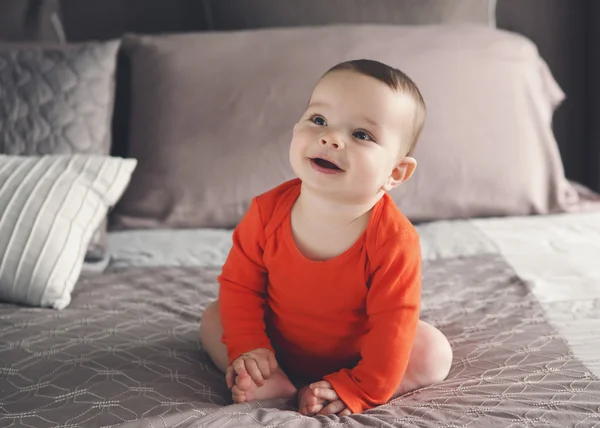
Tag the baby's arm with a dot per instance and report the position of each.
(242, 291)
(393, 304)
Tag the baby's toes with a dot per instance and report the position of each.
(238, 395)
(245, 383)
(308, 410)
(309, 404)
(238, 399)
(310, 401)
(316, 404)
(316, 408)
(304, 411)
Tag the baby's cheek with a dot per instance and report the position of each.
(301, 139)
(370, 174)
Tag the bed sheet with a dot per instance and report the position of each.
(557, 256)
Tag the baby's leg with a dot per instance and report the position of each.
(430, 359)
(211, 331)
(429, 362)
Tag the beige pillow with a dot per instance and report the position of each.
(212, 116)
(49, 208)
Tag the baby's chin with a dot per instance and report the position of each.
(343, 194)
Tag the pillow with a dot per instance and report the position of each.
(30, 20)
(49, 209)
(242, 14)
(58, 100)
(212, 119)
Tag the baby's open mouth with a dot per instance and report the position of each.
(326, 164)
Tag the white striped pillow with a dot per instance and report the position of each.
(50, 207)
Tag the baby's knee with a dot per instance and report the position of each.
(433, 354)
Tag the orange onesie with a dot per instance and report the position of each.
(350, 320)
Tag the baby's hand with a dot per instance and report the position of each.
(258, 364)
(323, 391)
(308, 403)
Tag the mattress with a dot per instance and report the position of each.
(518, 298)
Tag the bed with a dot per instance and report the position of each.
(522, 315)
(102, 328)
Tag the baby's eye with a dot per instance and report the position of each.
(318, 120)
(361, 135)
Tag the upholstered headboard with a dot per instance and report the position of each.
(563, 32)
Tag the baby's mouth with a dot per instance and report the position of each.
(326, 164)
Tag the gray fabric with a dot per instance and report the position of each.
(209, 247)
(108, 19)
(126, 353)
(58, 100)
(169, 247)
(49, 209)
(98, 248)
(30, 20)
(243, 14)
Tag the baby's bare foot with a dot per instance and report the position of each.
(277, 386)
(308, 403)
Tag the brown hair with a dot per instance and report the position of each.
(395, 80)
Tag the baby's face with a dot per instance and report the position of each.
(353, 134)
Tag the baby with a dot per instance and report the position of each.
(320, 294)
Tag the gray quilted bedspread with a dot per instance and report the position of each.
(126, 353)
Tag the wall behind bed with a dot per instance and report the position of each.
(563, 31)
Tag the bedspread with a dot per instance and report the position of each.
(126, 353)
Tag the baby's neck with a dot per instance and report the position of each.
(326, 212)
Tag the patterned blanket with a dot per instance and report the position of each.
(126, 353)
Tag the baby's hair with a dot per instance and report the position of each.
(395, 80)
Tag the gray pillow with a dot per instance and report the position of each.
(58, 100)
(49, 209)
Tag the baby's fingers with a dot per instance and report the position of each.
(310, 410)
(254, 372)
(264, 367)
(333, 408)
(311, 405)
(321, 384)
(239, 366)
(314, 409)
(272, 362)
(314, 404)
(345, 412)
(325, 394)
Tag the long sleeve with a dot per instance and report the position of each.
(242, 291)
(393, 304)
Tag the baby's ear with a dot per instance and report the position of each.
(401, 173)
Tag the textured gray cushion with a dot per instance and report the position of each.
(58, 100)
(49, 209)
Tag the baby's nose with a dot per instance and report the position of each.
(330, 140)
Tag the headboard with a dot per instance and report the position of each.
(560, 29)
